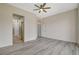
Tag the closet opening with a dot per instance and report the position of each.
(18, 29)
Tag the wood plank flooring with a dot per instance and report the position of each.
(41, 46)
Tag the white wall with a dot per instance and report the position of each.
(78, 26)
(61, 26)
(30, 24)
(5, 29)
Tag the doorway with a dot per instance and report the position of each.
(18, 29)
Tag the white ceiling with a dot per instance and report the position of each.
(55, 8)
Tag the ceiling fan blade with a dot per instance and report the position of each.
(47, 8)
(35, 9)
(39, 11)
(40, 6)
(44, 10)
(43, 4)
(37, 6)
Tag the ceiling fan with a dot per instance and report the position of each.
(41, 8)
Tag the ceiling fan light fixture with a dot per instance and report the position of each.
(41, 9)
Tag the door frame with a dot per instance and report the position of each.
(19, 27)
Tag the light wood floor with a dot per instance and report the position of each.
(42, 46)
